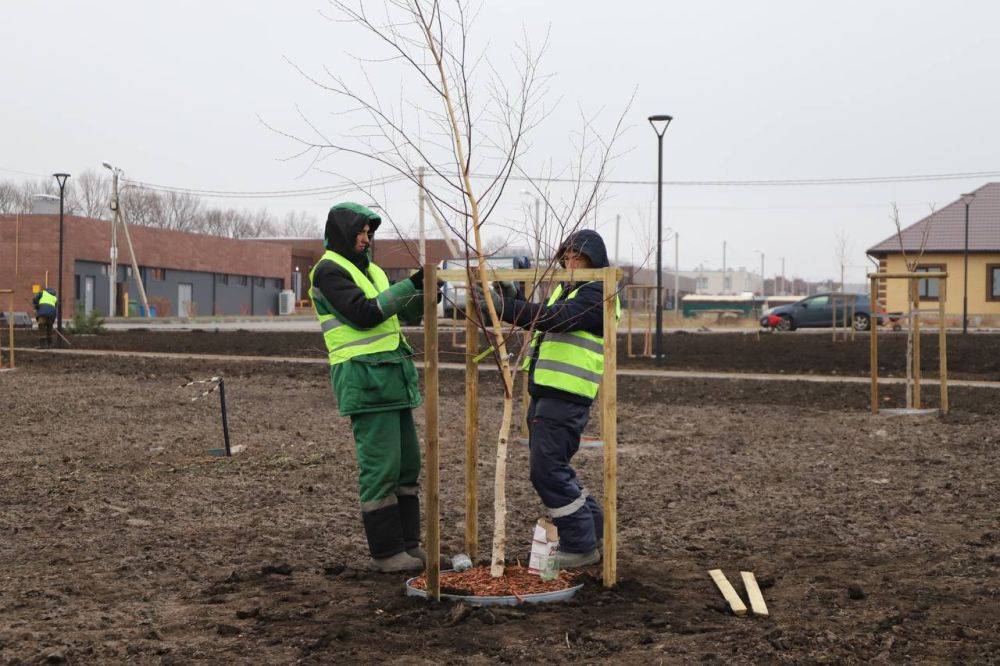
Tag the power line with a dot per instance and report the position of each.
(269, 194)
(24, 173)
(860, 180)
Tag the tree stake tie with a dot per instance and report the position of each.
(489, 350)
(220, 385)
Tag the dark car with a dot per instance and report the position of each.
(817, 312)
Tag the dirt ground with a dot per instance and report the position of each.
(970, 357)
(875, 538)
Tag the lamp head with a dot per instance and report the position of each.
(968, 197)
(107, 166)
(61, 179)
(660, 123)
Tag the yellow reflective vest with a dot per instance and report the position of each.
(343, 341)
(47, 298)
(571, 362)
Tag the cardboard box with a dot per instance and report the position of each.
(544, 542)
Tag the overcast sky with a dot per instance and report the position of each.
(172, 91)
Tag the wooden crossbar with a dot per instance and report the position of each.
(529, 274)
(928, 274)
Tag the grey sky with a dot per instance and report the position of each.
(766, 90)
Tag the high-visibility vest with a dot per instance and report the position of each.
(343, 341)
(571, 362)
(47, 298)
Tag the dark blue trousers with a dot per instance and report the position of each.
(554, 428)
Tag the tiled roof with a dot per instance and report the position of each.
(947, 227)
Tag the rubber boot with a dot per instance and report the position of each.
(409, 518)
(576, 560)
(384, 531)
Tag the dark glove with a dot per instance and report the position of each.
(418, 279)
(508, 289)
(481, 298)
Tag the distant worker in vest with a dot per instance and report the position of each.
(564, 365)
(374, 380)
(45, 303)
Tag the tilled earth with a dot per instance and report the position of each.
(974, 356)
(875, 538)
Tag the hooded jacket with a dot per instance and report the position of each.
(383, 381)
(585, 312)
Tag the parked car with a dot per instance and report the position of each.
(817, 312)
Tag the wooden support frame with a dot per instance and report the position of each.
(913, 301)
(649, 298)
(847, 304)
(607, 399)
(10, 331)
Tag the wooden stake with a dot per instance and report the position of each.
(525, 400)
(757, 604)
(609, 399)
(916, 344)
(650, 315)
(432, 462)
(873, 328)
(471, 430)
(628, 323)
(943, 344)
(735, 603)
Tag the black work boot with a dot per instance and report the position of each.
(385, 540)
(409, 518)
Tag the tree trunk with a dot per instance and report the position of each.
(500, 490)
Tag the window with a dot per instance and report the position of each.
(703, 283)
(930, 288)
(993, 282)
(259, 281)
(278, 283)
(727, 283)
(819, 301)
(158, 274)
(241, 280)
(222, 278)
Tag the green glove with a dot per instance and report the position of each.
(507, 288)
(480, 298)
(395, 298)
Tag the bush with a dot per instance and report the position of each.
(87, 324)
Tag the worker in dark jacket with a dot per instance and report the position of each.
(374, 380)
(564, 366)
(45, 303)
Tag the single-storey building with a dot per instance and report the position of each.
(937, 243)
(184, 274)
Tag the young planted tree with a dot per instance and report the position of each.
(462, 120)
(912, 262)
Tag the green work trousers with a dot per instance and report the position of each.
(388, 454)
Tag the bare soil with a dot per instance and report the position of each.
(969, 357)
(874, 538)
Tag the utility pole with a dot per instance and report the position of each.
(113, 270)
(677, 274)
(618, 228)
(723, 267)
(128, 238)
(784, 286)
(422, 230)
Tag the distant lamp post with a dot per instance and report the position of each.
(660, 124)
(967, 199)
(61, 179)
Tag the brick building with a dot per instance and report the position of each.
(184, 274)
(398, 257)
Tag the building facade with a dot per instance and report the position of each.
(937, 243)
(731, 281)
(184, 274)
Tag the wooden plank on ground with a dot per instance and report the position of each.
(757, 604)
(735, 603)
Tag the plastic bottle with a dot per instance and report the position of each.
(547, 568)
(461, 562)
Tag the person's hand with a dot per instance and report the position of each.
(507, 288)
(480, 298)
(418, 279)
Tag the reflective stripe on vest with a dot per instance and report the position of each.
(571, 362)
(47, 298)
(344, 341)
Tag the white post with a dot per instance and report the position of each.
(422, 232)
(784, 285)
(618, 227)
(723, 267)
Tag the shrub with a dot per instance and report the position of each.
(87, 324)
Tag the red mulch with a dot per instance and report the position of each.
(517, 581)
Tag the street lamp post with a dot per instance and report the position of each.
(61, 179)
(660, 124)
(113, 252)
(967, 199)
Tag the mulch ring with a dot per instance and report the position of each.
(517, 581)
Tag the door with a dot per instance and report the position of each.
(816, 312)
(88, 294)
(185, 296)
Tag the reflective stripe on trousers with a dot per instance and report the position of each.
(570, 508)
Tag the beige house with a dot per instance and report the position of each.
(944, 250)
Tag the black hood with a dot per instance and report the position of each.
(343, 224)
(588, 243)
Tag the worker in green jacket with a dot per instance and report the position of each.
(374, 380)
